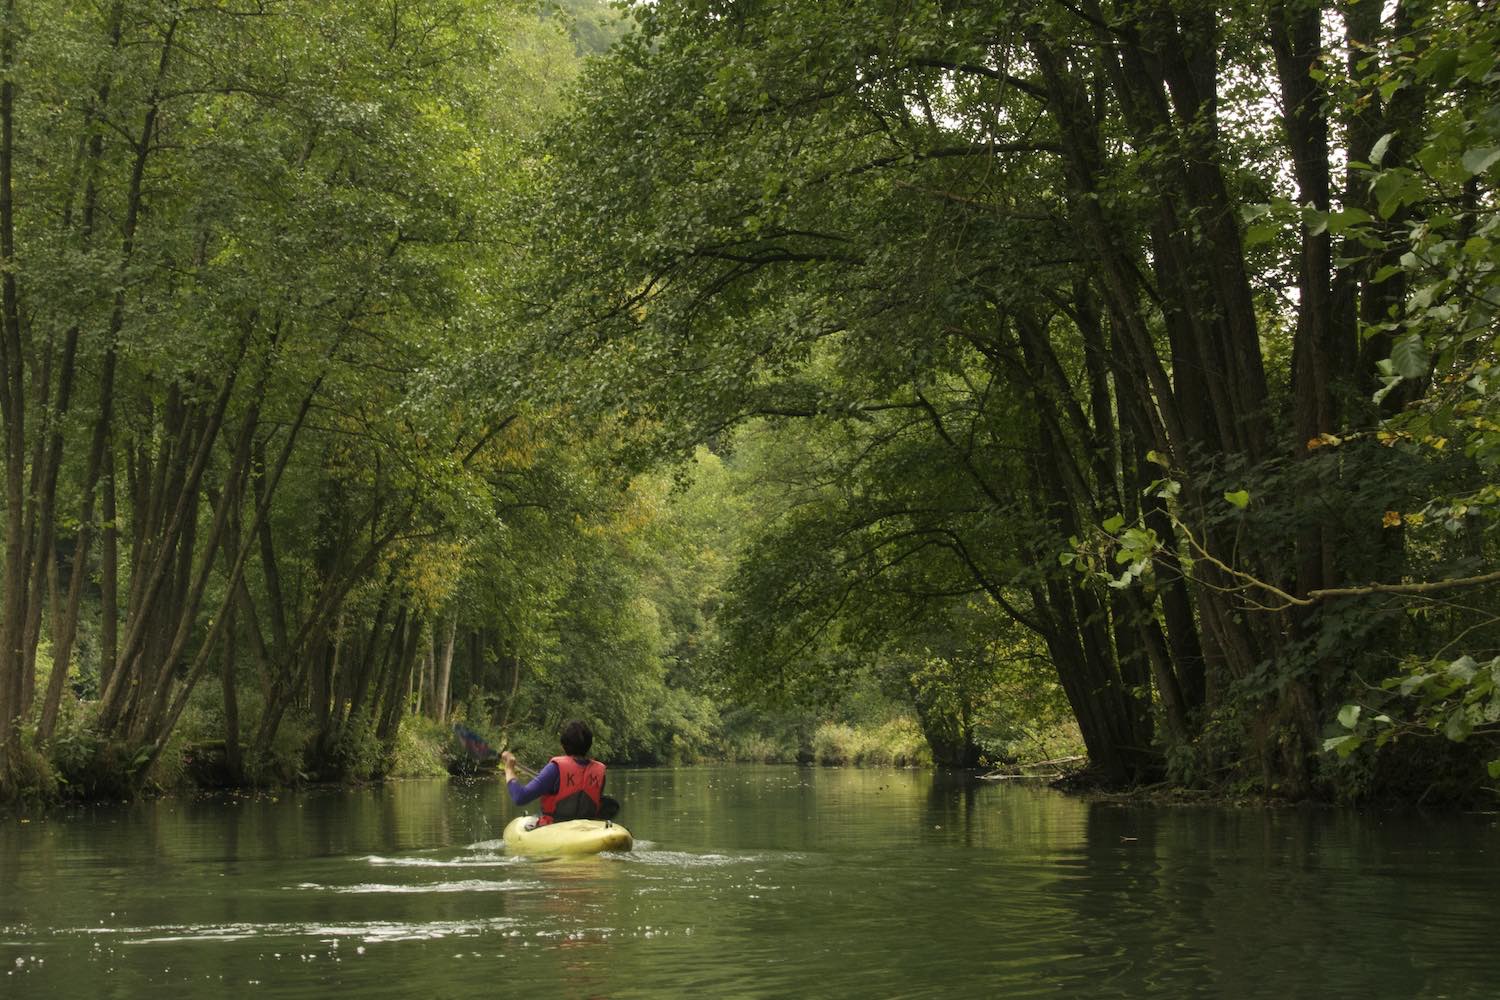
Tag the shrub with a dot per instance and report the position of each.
(419, 749)
(831, 744)
(358, 755)
(32, 777)
(897, 742)
(284, 762)
(756, 748)
(901, 741)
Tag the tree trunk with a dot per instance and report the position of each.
(109, 585)
(12, 413)
(445, 672)
(234, 762)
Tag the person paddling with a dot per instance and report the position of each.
(570, 786)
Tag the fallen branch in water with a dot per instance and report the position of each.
(1059, 760)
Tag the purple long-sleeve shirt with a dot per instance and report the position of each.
(545, 783)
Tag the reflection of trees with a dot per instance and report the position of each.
(1215, 902)
(950, 802)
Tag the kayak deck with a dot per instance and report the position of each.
(578, 836)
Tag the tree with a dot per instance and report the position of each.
(1038, 228)
(245, 247)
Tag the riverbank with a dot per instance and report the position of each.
(78, 768)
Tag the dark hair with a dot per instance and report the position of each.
(576, 738)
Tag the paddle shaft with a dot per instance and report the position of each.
(522, 768)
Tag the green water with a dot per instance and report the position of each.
(748, 882)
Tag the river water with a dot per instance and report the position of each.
(748, 882)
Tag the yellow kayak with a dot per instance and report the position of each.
(576, 836)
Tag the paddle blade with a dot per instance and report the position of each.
(474, 743)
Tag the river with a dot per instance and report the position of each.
(748, 882)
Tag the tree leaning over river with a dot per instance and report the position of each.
(1110, 282)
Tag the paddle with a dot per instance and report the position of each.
(521, 767)
(481, 750)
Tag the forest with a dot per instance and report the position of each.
(936, 383)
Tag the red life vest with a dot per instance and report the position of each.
(580, 792)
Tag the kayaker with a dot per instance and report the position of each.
(570, 786)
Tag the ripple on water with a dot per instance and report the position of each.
(644, 855)
(465, 885)
(365, 931)
(463, 861)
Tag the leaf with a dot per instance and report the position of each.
(1261, 232)
(1114, 524)
(1464, 668)
(1240, 498)
(1390, 382)
(1349, 716)
(1341, 220)
(1477, 161)
(1377, 151)
(1458, 727)
(1409, 356)
(1494, 768)
(1343, 745)
(1439, 66)
(1410, 684)
(1393, 189)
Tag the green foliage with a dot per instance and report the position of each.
(1441, 248)
(88, 767)
(897, 743)
(801, 364)
(33, 778)
(358, 755)
(321, 233)
(594, 27)
(1457, 699)
(284, 762)
(754, 748)
(981, 268)
(1445, 245)
(419, 749)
